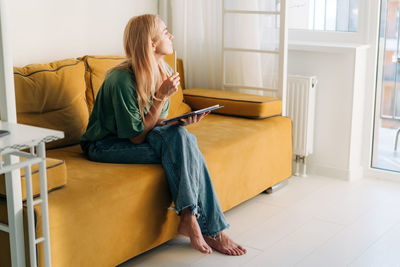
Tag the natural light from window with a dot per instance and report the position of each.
(323, 15)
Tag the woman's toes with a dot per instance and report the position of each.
(233, 252)
(207, 249)
(238, 252)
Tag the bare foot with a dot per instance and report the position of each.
(225, 245)
(189, 227)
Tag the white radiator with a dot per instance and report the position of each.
(300, 107)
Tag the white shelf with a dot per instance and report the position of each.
(24, 136)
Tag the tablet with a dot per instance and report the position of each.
(196, 112)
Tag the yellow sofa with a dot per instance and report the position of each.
(104, 214)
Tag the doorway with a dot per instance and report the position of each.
(386, 136)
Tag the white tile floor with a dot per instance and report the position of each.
(313, 221)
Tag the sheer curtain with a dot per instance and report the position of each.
(197, 29)
(196, 26)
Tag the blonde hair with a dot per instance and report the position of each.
(139, 34)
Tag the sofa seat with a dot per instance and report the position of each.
(120, 210)
(104, 211)
(116, 210)
(258, 153)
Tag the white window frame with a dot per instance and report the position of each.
(360, 37)
(370, 112)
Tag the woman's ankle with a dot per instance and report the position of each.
(187, 214)
(216, 237)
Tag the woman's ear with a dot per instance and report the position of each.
(153, 46)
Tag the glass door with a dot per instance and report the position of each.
(386, 137)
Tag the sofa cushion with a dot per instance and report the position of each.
(96, 70)
(179, 67)
(237, 104)
(56, 178)
(97, 67)
(53, 96)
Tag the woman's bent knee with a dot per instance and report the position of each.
(170, 131)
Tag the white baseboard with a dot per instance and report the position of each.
(351, 175)
(382, 174)
(339, 173)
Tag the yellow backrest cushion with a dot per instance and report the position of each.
(96, 70)
(179, 66)
(53, 96)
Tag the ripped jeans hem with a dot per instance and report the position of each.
(195, 211)
(216, 235)
(193, 208)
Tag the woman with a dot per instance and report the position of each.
(126, 126)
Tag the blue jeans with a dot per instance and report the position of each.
(185, 167)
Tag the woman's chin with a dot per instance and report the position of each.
(167, 53)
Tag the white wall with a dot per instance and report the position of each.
(338, 113)
(345, 94)
(48, 30)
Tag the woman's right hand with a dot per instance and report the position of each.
(169, 86)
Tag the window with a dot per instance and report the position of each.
(323, 15)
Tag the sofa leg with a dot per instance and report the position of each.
(276, 187)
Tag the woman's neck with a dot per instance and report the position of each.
(159, 58)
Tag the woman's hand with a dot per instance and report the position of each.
(169, 86)
(192, 119)
(160, 122)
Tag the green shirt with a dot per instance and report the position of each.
(115, 111)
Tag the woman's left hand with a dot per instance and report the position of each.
(193, 119)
